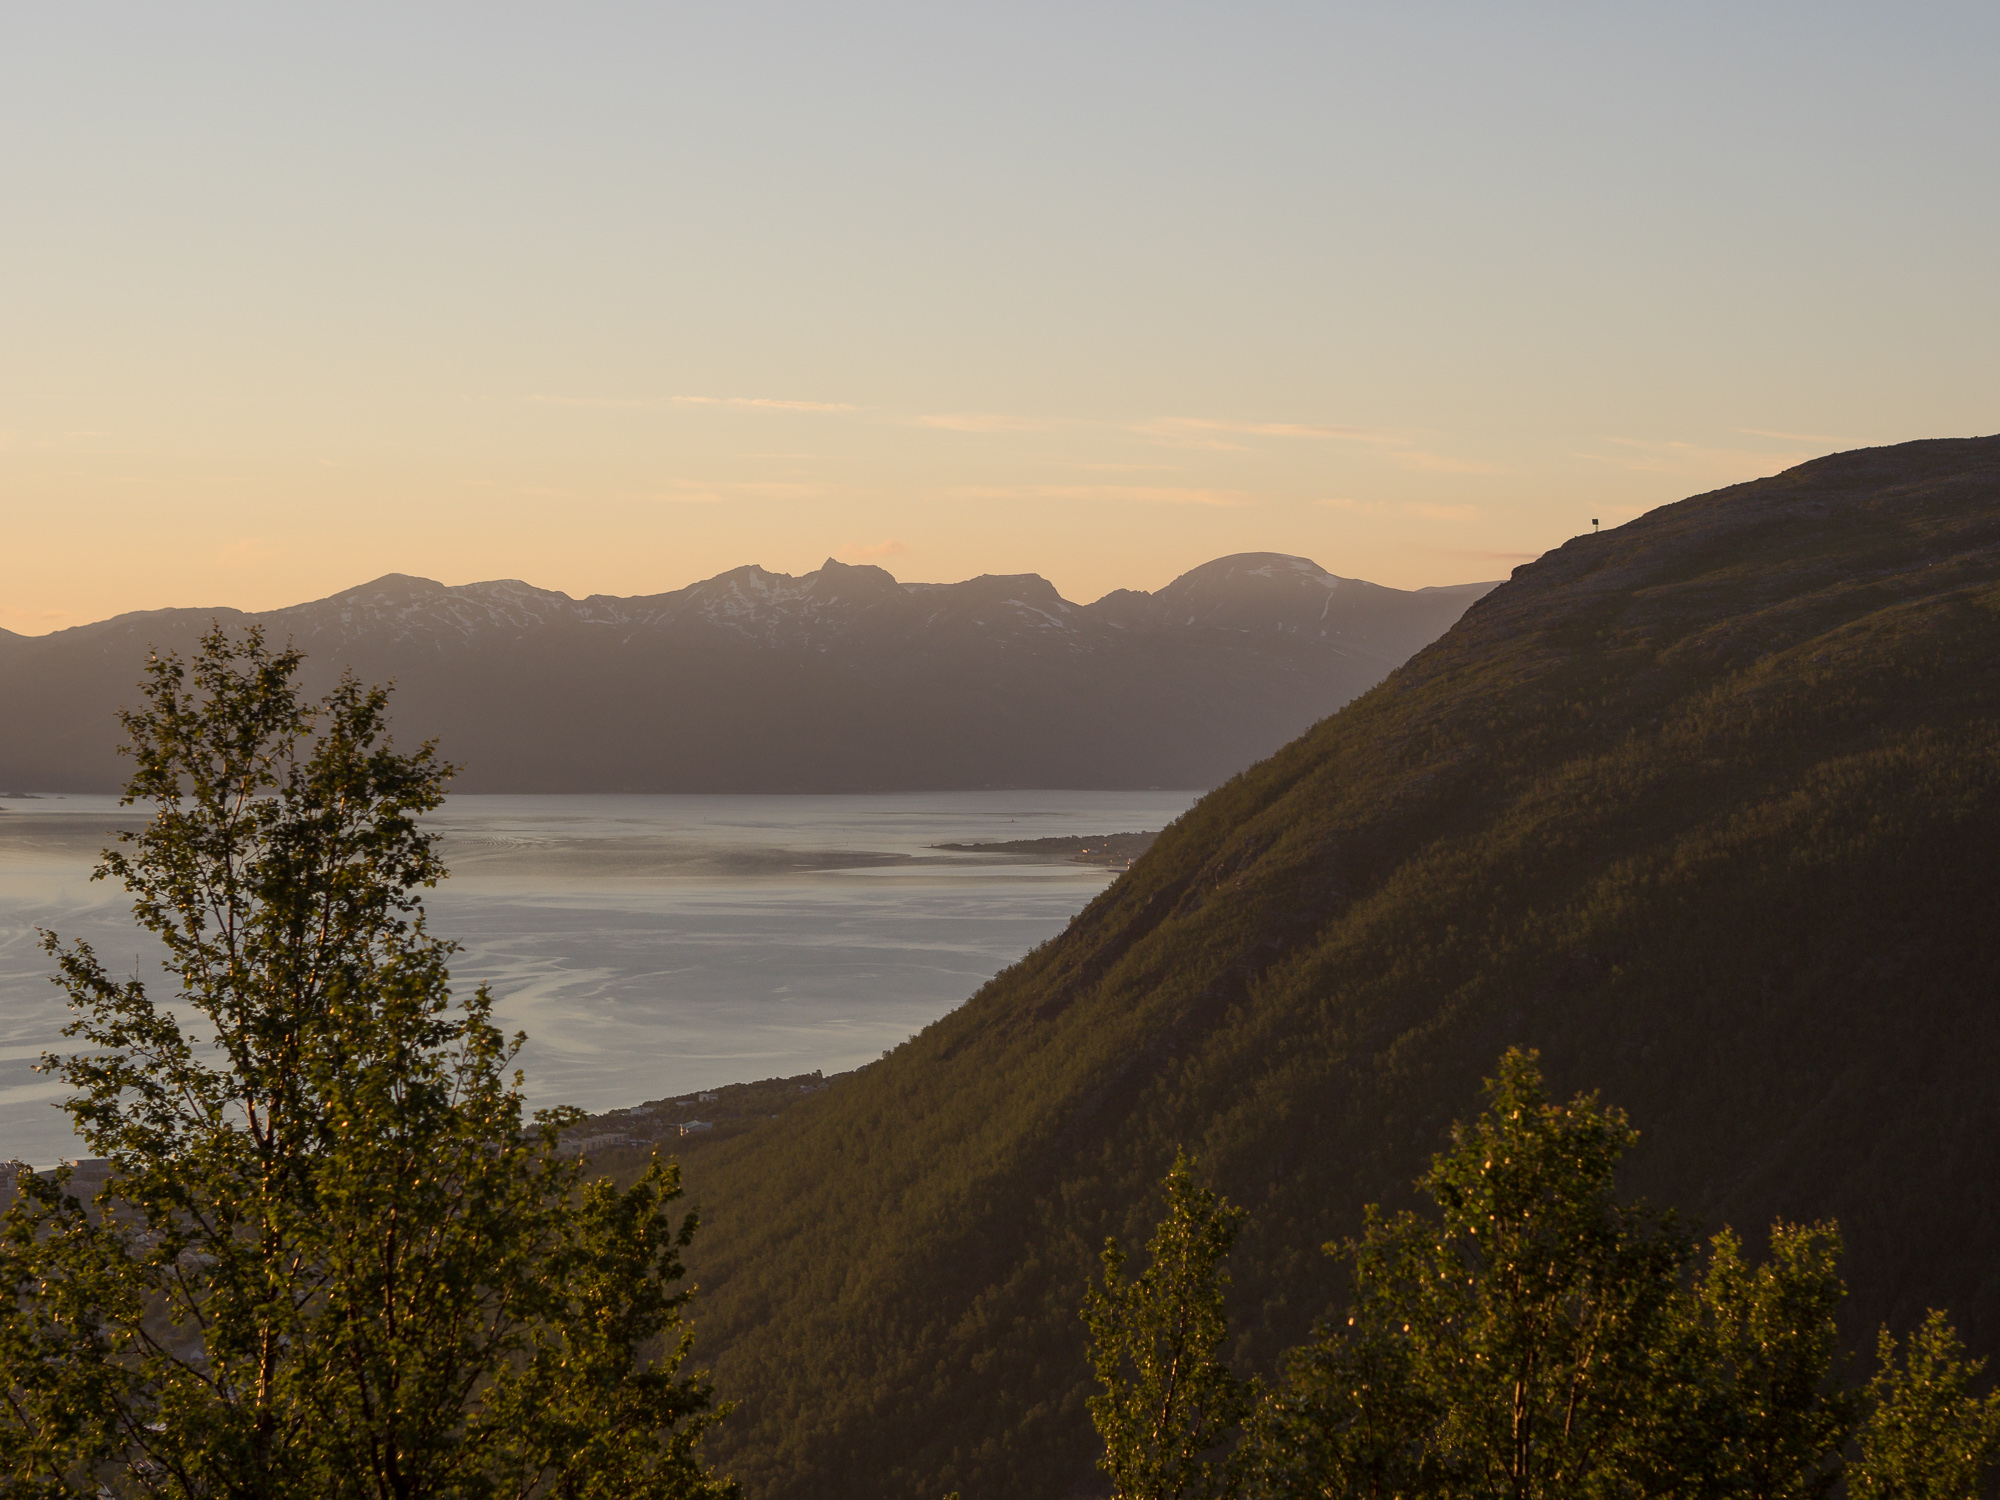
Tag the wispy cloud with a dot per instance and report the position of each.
(1183, 427)
(1514, 557)
(1405, 447)
(1441, 463)
(615, 403)
(1696, 461)
(1419, 508)
(1141, 494)
(1402, 447)
(1794, 437)
(685, 494)
(35, 621)
(713, 492)
(981, 421)
(785, 489)
(762, 403)
(248, 552)
(49, 442)
(855, 553)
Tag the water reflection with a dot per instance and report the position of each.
(647, 944)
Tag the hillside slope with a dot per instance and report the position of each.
(842, 679)
(1707, 808)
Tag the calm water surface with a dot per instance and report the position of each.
(646, 944)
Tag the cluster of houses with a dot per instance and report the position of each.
(647, 1124)
(645, 1129)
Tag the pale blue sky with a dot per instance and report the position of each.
(614, 297)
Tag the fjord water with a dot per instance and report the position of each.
(647, 944)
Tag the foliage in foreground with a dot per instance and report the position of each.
(330, 1258)
(1163, 1421)
(1533, 1337)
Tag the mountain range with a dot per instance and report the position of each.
(1706, 808)
(842, 679)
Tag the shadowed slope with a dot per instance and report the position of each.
(1707, 808)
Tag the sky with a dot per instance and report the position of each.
(611, 298)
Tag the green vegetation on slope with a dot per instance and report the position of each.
(1527, 1335)
(1706, 808)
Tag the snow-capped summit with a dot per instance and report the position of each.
(841, 678)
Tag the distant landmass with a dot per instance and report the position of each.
(1112, 849)
(842, 679)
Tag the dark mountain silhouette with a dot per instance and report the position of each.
(840, 680)
(1707, 808)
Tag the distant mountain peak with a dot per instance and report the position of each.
(397, 583)
(1271, 565)
(840, 678)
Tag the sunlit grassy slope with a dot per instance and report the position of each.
(1707, 808)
